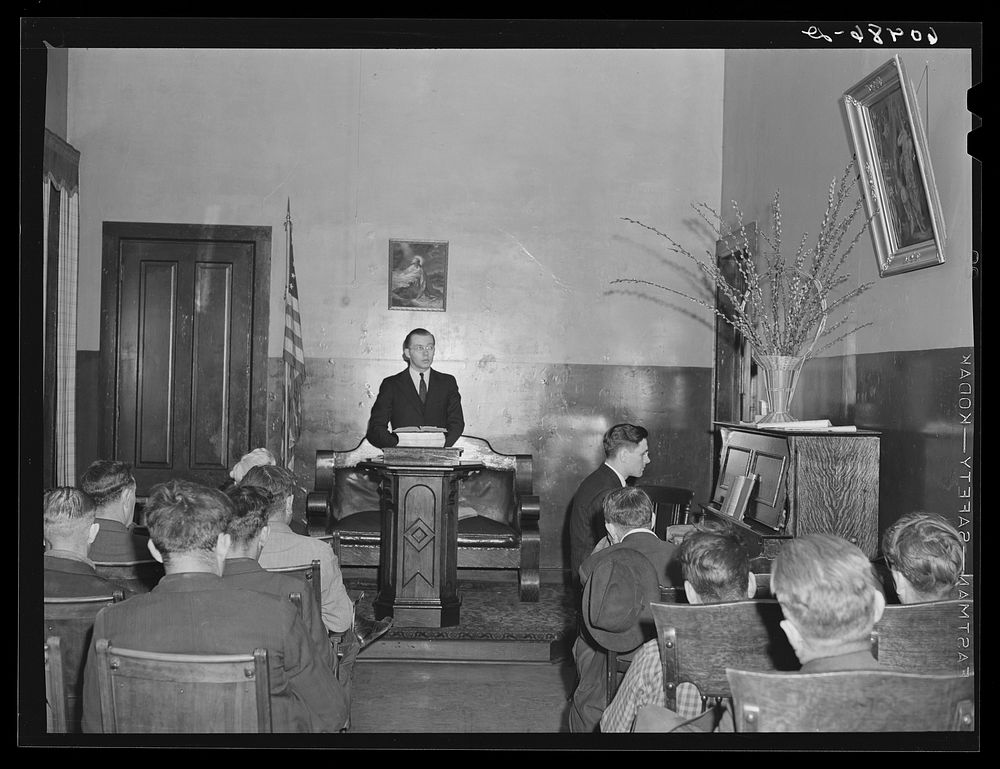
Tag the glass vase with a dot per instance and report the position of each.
(780, 374)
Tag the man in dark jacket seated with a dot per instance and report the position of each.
(69, 528)
(112, 487)
(626, 452)
(194, 611)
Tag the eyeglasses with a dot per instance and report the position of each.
(422, 347)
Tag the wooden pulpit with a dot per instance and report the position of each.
(418, 556)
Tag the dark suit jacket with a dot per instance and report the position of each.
(115, 542)
(67, 578)
(399, 404)
(660, 553)
(586, 519)
(199, 613)
(246, 573)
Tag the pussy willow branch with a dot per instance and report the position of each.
(776, 307)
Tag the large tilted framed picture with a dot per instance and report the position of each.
(898, 182)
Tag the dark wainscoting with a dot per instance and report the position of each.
(557, 413)
(915, 399)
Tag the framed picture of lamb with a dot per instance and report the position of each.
(899, 191)
(418, 275)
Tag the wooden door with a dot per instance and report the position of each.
(183, 348)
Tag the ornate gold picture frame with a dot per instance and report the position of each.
(898, 182)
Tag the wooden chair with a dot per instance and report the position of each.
(310, 573)
(855, 701)
(502, 532)
(55, 691)
(71, 620)
(699, 641)
(934, 637)
(137, 576)
(671, 505)
(152, 692)
(618, 665)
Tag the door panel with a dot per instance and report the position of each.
(185, 352)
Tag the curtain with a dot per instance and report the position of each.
(61, 198)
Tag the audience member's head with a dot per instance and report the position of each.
(187, 526)
(111, 485)
(280, 483)
(829, 594)
(68, 522)
(626, 448)
(716, 567)
(625, 509)
(254, 458)
(926, 556)
(247, 528)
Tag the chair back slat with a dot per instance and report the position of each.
(71, 620)
(699, 641)
(55, 691)
(855, 701)
(926, 637)
(310, 573)
(617, 666)
(152, 692)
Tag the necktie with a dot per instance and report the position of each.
(423, 389)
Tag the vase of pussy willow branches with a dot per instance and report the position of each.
(782, 304)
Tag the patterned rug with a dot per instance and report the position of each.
(490, 611)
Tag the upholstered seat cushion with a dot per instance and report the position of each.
(478, 530)
(487, 494)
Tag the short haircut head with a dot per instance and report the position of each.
(927, 550)
(628, 507)
(623, 435)
(827, 587)
(278, 481)
(66, 511)
(716, 564)
(186, 517)
(416, 332)
(106, 479)
(250, 512)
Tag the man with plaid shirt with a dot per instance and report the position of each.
(716, 568)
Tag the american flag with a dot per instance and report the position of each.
(294, 358)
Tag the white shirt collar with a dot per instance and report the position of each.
(639, 529)
(620, 477)
(415, 376)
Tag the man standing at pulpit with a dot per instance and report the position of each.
(417, 396)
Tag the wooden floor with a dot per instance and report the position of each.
(392, 695)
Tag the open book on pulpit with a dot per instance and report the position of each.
(424, 435)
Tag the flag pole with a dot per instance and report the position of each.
(288, 277)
